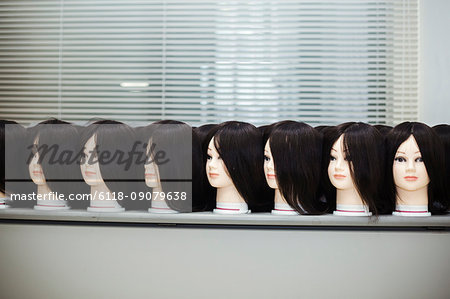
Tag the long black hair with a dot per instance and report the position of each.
(116, 141)
(240, 145)
(432, 151)
(297, 153)
(443, 131)
(58, 144)
(13, 167)
(363, 147)
(184, 171)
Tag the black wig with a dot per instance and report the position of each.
(14, 174)
(443, 131)
(297, 152)
(383, 129)
(432, 151)
(363, 147)
(241, 147)
(183, 171)
(115, 144)
(58, 145)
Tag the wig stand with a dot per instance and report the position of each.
(161, 207)
(109, 206)
(411, 211)
(352, 210)
(231, 208)
(51, 205)
(3, 204)
(284, 209)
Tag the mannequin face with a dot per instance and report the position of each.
(215, 168)
(409, 170)
(269, 168)
(35, 169)
(151, 171)
(91, 172)
(339, 167)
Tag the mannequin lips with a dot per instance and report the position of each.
(339, 176)
(37, 172)
(213, 175)
(89, 173)
(410, 178)
(271, 176)
(150, 175)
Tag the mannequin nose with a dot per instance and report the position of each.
(270, 165)
(212, 163)
(338, 165)
(410, 165)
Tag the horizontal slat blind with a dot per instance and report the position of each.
(203, 61)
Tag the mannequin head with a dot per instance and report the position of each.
(53, 158)
(414, 162)
(13, 168)
(235, 154)
(289, 151)
(353, 160)
(108, 163)
(180, 170)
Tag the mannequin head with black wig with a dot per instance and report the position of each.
(353, 169)
(108, 166)
(235, 168)
(13, 167)
(292, 165)
(414, 169)
(174, 167)
(53, 162)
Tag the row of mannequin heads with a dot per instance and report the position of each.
(288, 168)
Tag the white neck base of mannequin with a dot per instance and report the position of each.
(3, 204)
(411, 211)
(161, 207)
(231, 208)
(50, 205)
(284, 209)
(109, 206)
(352, 210)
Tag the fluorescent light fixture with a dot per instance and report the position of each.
(134, 84)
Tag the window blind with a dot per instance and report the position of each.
(203, 61)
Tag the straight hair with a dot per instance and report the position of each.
(363, 147)
(58, 144)
(184, 171)
(297, 153)
(119, 171)
(240, 145)
(432, 151)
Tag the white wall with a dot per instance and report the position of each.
(434, 103)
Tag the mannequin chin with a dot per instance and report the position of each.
(228, 199)
(411, 180)
(348, 200)
(102, 199)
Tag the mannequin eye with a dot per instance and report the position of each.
(419, 159)
(208, 157)
(267, 159)
(332, 158)
(400, 159)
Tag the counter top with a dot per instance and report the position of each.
(208, 218)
